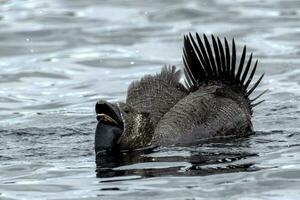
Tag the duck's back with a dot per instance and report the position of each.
(203, 114)
(218, 104)
(156, 94)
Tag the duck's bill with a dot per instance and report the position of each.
(109, 128)
(108, 113)
(106, 119)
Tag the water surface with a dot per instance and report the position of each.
(58, 57)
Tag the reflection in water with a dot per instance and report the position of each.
(201, 160)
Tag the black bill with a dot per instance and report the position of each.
(109, 127)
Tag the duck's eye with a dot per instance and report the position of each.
(126, 109)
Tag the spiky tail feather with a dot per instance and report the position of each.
(207, 64)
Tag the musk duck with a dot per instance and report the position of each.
(210, 99)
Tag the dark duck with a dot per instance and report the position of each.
(212, 102)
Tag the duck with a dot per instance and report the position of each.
(206, 100)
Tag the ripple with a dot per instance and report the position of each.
(58, 57)
(17, 77)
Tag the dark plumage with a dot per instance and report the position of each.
(213, 102)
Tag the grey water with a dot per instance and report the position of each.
(58, 57)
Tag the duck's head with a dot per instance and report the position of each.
(120, 127)
(109, 128)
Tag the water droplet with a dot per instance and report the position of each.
(132, 62)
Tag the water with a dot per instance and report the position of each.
(58, 57)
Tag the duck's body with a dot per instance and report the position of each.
(217, 116)
(214, 102)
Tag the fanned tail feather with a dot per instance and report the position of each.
(206, 63)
